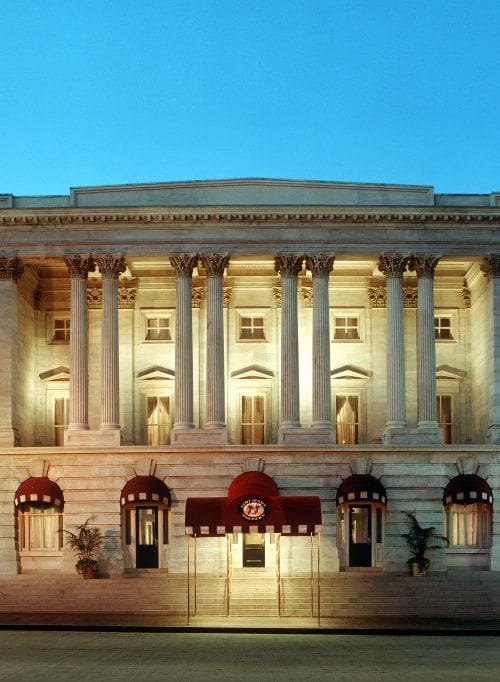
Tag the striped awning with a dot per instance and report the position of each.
(253, 505)
(467, 489)
(39, 489)
(361, 488)
(145, 489)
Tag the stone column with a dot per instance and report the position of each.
(110, 267)
(321, 265)
(11, 270)
(215, 264)
(289, 266)
(424, 265)
(491, 268)
(392, 266)
(183, 265)
(79, 268)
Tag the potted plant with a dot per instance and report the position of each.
(86, 543)
(420, 541)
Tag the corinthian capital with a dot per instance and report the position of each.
(111, 265)
(320, 264)
(79, 266)
(491, 266)
(184, 264)
(424, 264)
(11, 268)
(215, 263)
(392, 264)
(288, 265)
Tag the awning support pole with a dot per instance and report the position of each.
(319, 582)
(195, 576)
(228, 587)
(278, 566)
(188, 604)
(311, 573)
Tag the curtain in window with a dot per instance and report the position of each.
(60, 419)
(42, 527)
(468, 525)
(158, 420)
(347, 419)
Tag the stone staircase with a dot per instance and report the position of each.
(253, 595)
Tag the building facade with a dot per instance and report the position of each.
(253, 363)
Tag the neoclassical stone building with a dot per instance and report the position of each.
(252, 363)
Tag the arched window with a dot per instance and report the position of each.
(468, 501)
(39, 503)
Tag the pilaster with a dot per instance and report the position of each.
(491, 269)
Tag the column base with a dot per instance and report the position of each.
(493, 435)
(299, 436)
(108, 438)
(422, 435)
(210, 436)
(9, 437)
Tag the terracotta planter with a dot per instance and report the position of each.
(416, 570)
(88, 573)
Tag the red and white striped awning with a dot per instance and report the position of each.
(361, 488)
(253, 505)
(39, 489)
(145, 489)
(467, 489)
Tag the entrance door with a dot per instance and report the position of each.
(360, 536)
(146, 537)
(254, 549)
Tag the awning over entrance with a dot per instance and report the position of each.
(467, 489)
(39, 489)
(253, 505)
(361, 488)
(145, 489)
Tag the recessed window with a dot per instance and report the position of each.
(60, 330)
(61, 410)
(39, 526)
(252, 328)
(468, 525)
(252, 420)
(347, 419)
(443, 328)
(158, 420)
(444, 417)
(346, 327)
(158, 329)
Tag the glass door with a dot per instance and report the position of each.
(146, 537)
(360, 536)
(254, 549)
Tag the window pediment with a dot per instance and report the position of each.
(448, 372)
(60, 373)
(349, 372)
(253, 372)
(156, 372)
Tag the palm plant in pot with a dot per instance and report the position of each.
(86, 543)
(420, 541)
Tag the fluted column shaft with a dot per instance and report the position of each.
(79, 267)
(426, 343)
(215, 265)
(289, 267)
(183, 265)
(111, 267)
(393, 266)
(491, 269)
(321, 265)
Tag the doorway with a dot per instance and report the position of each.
(360, 536)
(146, 533)
(254, 550)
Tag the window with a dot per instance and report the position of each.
(158, 420)
(252, 420)
(39, 526)
(468, 525)
(60, 330)
(444, 419)
(347, 418)
(61, 409)
(346, 327)
(157, 329)
(443, 328)
(252, 328)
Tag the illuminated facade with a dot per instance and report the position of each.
(158, 341)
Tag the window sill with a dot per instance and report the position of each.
(466, 549)
(348, 340)
(41, 553)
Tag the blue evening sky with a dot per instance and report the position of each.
(122, 91)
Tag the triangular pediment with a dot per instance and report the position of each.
(156, 372)
(60, 373)
(448, 372)
(349, 372)
(253, 372)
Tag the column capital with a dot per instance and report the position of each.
(215, 263)
(320, 264)
(79, 266)
(184, 264)
(11, 268)
(288, 265)
(111, 265)
(490, 266)
(424, 264)
(392, 264)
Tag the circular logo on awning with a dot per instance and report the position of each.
(253, 509)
